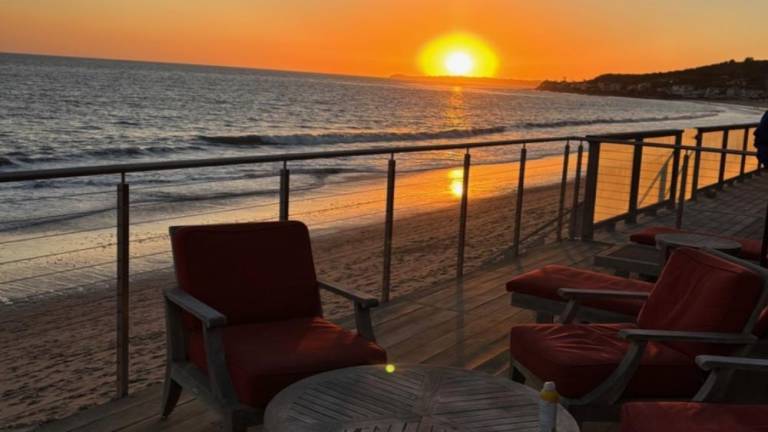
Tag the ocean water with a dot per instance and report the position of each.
(61, 112)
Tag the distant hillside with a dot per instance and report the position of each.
(732, 80)
(469, 81)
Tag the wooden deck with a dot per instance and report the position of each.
(461, 323)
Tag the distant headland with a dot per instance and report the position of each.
(468, 81)
(745, 81)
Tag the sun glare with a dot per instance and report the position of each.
(459, 63)
(457, 182)
(458, 54)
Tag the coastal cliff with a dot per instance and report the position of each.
(732, 80)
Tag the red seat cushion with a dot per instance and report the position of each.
(689, 416)
(264, 358)
(545, 282)
(647, 236)
(698, 291)
(578, 357)
(750, 249)
(250, 272)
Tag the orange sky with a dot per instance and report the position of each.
(532, 38)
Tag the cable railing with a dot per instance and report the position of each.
(626, 192)
(573, 186)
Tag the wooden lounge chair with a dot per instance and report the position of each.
(700, 415)
(246, 319)
(538, 290)
(751, 249)
(705, 302)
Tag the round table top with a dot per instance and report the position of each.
(698, 241)
(412, 398)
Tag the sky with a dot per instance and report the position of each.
(531, 39)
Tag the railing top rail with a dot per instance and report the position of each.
(673, 146)
(95, 170)
(658, 133)
(720, 128)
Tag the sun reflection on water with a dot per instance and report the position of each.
(457, 182)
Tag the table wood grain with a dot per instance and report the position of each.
(697, 241)
(413, 398)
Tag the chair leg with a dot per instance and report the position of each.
(171, 394)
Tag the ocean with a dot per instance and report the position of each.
(67, 112)
(62, 112)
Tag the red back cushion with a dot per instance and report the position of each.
(698, 291)
(250, 272)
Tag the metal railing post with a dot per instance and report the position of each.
(696, 166)
(463, 218)
(634, 187)
(563, 190)
(590, 192)
(285, 185)
(519, 204)
(675, 170)
(388, 226)
(744, 148)
(721, 172)
(123, 284)
(575, 207)
(681, 200)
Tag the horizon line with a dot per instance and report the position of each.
(255, 68)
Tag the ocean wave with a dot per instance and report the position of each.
(597, 121)
(125, 123)
(347, 138)
(6, 162)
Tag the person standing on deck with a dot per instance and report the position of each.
(761, 140)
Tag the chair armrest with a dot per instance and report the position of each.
(210, 317)
(687, 336)
(576, 293)
(709, 362)
(365, 301)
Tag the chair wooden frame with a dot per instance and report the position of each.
(547, 309)
(721, 369)
(604, 401)
(710, 394)
(215, 387)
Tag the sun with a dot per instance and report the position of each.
(458, 54)
(459, 63)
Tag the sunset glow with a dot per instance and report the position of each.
(504, 38)
(458, 54)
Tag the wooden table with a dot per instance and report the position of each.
(413, 398)
(631, 258)
(696, 241)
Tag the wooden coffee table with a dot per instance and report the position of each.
(628, 258)
(696, 241)
(413, 398)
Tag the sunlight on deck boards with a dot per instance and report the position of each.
(461, 323)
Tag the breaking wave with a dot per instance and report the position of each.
(347, 138)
